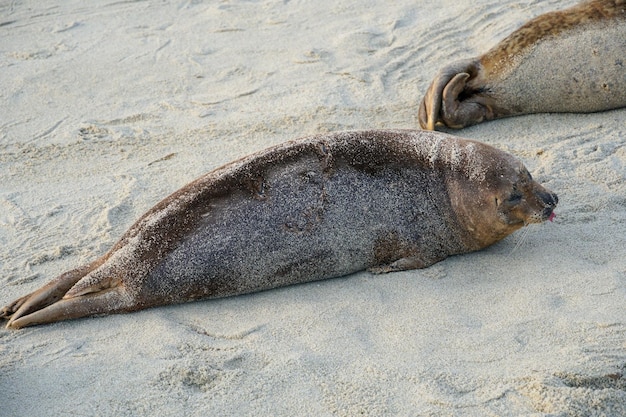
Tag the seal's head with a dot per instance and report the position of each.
(496, 195)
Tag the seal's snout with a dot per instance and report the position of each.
(550, 200)
(548, 214)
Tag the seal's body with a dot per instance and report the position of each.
(572, 60)
(315, 208)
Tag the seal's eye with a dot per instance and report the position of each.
(515, 197)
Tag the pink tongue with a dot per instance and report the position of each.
(552, 216)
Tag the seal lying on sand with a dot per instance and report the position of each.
(572, 60)
(315, 208)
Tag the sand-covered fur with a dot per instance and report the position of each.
(315, 208)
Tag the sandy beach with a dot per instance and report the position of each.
(107, 107)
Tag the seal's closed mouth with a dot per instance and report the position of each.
(550, 200)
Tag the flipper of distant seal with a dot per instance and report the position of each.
(315, 208)
(572, 60)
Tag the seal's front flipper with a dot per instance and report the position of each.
(44, 296)
(106, 301)
(402, 264)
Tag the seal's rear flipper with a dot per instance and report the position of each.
(106, 301)
(428, 115)
(44, 296)
(430, 110)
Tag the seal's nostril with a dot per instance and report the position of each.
(554, 199)
(549, 199)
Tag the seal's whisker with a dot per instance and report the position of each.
(521, 240)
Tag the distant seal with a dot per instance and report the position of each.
(315, 208)
(572, 60)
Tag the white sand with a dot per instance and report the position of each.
(106, 107)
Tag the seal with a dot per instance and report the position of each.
(569, 61)
(319, 207)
